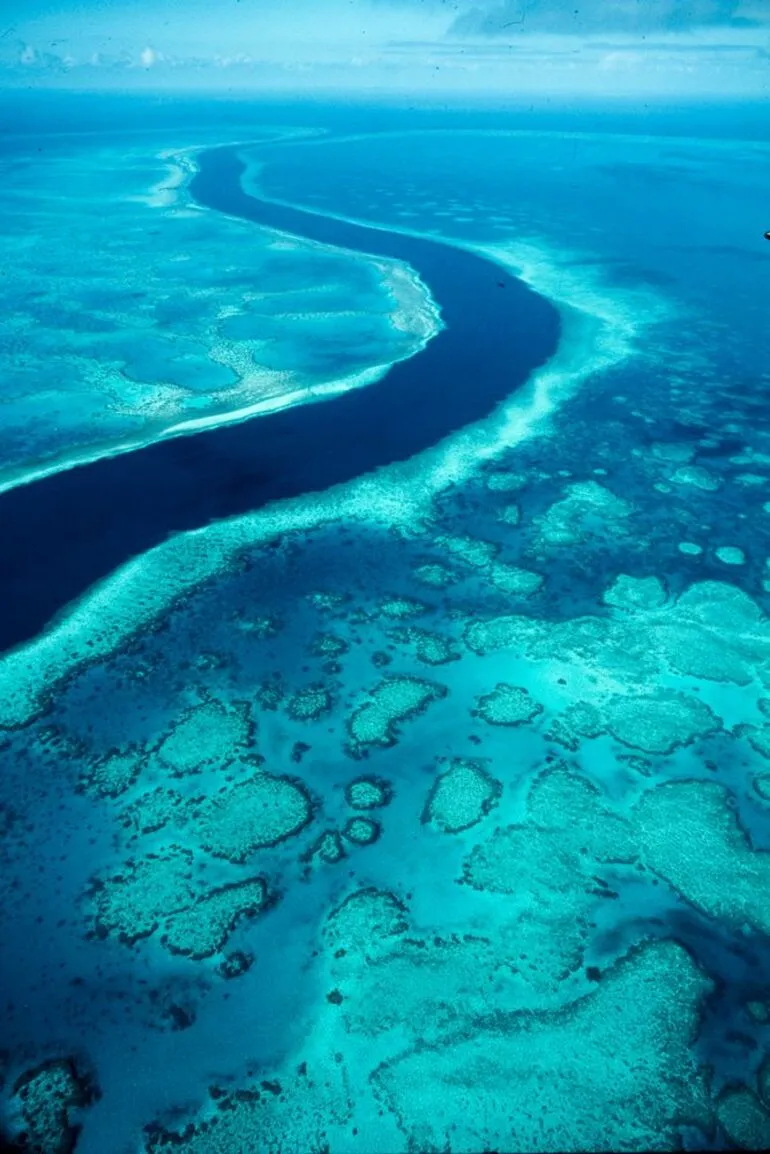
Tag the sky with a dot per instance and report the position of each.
(655, 48)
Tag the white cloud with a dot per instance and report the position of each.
(395, 44)
(621, 61)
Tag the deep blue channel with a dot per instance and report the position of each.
(61, 534)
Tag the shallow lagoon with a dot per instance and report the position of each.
(127, 324)
(554, 922)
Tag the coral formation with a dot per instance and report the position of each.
(270, 694)
(578, 722)
(470, 550)
(49, 1100)
(430, 648)
(696, 476)
(402, 608)
(325, 600)
(503, 481)
(203, 928)
(435, 575)
(368, 792)
(366, 922)
(392, 701)
(745, 1120)
(328, 645)
(690, 836)
(132, 904)
(328, 848)
(361, 830)
(503, 1084)
(512, 579)
(258, 812)
(659, 721)
(294, 1114)
(634, 593)
(461, 796)
(235, 964)
(208, 735)
(160, 891)
(507, 705)
(730, 555)
(153, 810)
(587, 509)
(113, 774)
(509, 515)
(309, 704)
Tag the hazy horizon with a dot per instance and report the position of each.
(508, 48)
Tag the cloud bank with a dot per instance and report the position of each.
(582, 17)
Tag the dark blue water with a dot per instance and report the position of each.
(66, 531)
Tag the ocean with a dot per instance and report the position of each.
(385, 672)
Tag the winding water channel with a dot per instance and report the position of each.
(62, 533)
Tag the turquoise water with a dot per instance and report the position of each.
(123, 322)
(427, 811)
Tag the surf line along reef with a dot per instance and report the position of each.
(95, 516)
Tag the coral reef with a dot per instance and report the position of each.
(203, 928)
(744, 1119)
(430, 648)
(368, 792)
(130, 905)
(361, 830)
(294, 1114)
(309, 704)
(392, 701)
(327, 848)
(588, 508)
(435, 575)
(262, 810)
(153, 810)
(160, 892)
(402, 608)
(659, 721)
(503, 1083)
(507, 705)
(461, 796)
(49, 1100)
(208, 735)
(113, 774)
(365, 922)
(235, 964)
(328, 645)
